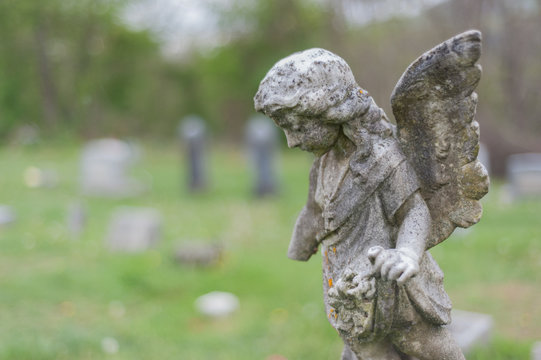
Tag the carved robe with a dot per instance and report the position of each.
(351, 207)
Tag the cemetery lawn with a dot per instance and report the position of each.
(67, 297)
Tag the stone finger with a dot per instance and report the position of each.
(406, 275)
(370, 293)
(364, 286)
(356, 292)
(386, 267)
(373, 252)
(342, 287)
(333, 293)
(381, 258)
(349, 275)
(396, 271)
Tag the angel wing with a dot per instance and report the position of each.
(434, 106)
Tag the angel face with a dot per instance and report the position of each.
(307, 133)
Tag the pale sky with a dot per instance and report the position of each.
(182, 25)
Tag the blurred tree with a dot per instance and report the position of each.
(71, 65)
(261, 33)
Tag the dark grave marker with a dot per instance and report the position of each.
(261, 140)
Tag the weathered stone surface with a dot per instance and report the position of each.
(381, 196)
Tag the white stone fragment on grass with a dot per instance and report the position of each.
(217, 304)
(7, 215)
(109, 345)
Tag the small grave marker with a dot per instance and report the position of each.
(217, 304)
(524, 174)
(104, 167)
(7, 215)
(35, 177)
(484, 156)
(134, 229)
(471, 329)
(192, 133)
(536, 351)
(198, 254)
(261, 140)
(76, 218)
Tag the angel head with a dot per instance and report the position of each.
(313, 96)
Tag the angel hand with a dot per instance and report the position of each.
(394, 264)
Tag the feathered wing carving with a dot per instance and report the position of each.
(434, 106)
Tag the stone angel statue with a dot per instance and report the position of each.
(381, 195)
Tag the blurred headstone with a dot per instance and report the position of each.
(524, 175)
(26, 135)
(76, 218)
(484, 157)
(536, 351)
(134, 229)
(198, 254)
(471, 329)
(7, 215)
(261, 138)
(217, 304)
(104, 168)
(192, 133)
(35, 177)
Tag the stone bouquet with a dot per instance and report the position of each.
(381, 195)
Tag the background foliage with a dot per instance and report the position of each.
(75, 67)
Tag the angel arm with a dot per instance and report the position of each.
(303, 241)
(414, 218)
(402, 263)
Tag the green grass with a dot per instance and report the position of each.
(60, 296)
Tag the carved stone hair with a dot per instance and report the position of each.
(312, 82)
(321, 85)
